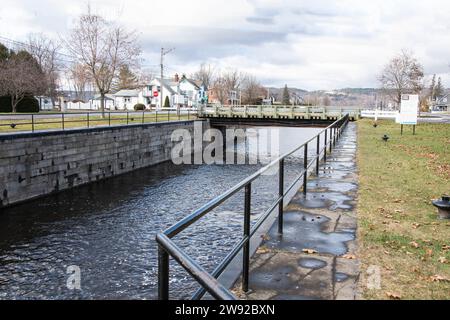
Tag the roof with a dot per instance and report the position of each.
(107, 97)
(167, 84)
(127, 93)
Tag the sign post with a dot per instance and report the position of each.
(408, 111)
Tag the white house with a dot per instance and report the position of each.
(127, 99)
(182, 93)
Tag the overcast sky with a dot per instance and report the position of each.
(316, 44)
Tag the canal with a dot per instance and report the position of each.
(107, 229)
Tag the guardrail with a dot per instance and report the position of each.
(379, 114)
(287, 112)
(209, 282)
(62, 121)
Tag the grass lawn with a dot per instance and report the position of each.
(82, 121)
(398, 227)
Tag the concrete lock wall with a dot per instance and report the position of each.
(37, 164)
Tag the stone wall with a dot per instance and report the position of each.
(37, 164)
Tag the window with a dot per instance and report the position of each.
(127, 100)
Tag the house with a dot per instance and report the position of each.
(442, 104)
(181, 93)
(127, 99)
(109, 102)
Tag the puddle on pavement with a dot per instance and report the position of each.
(341, 277)
(304, 231)
(310, 263)
(322, 200)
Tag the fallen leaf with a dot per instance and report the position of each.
(416, 225)
(262, 250)
(398, 201)
(445, 248)
(443, 260)
(349, 257)
(429, 252)
(398, 211)
(309, 251)
(415, 244)
(393, 296)
(438, 278)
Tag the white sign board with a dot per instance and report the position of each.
(409, 109)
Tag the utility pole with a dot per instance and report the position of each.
(163, 53)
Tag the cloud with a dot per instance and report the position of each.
(322, 44)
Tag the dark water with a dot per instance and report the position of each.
(107, 229)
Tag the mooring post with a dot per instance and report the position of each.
(305, 167)
(163, 274)
(281, 194)
(246, 249)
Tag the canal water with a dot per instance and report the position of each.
(107, 229)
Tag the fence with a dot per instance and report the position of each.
(62, 121)
(209, 282)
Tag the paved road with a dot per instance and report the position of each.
(434, 118)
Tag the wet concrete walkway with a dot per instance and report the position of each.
(316, 256)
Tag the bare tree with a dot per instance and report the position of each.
(20, 77)
(206, 74)
(104, 48)
(252, 90)
(80, 78)
(45, 51)
(403, 74)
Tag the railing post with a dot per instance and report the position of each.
(246, 249)
(168, 115)
(109, 118)
(128, 119)
(318, 155)
(281, 194)
(189, 115)
(143, 117)
(32, 123)
(163, 274)
(305, 166)
(63, 125)
(156, 117)
(331, 139)
(87, 117)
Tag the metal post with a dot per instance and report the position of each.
(281, 194)
(32, 123)
(88, 123)
(414, 130)
(246, 249)
(305, 166)
(156, 115)
(109, 118)
(318, 155)
(62, 116)
(189, 115)
(326, 146)
(163, 274)
(401, 130)
(143, 117)
(168, 115)
(331, 139)
(128, 118)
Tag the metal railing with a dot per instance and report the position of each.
(209, 282)
(280, 111)
(79, 120)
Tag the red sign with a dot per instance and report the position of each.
(155, 93)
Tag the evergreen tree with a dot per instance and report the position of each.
(127, 79)
(439, 91)
(433, 88)
(286, 96)
(167, 103)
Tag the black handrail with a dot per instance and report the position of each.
(208, 281)
(86, 118)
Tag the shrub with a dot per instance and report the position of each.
(28, 105)
(167, 103)
(139, 107)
